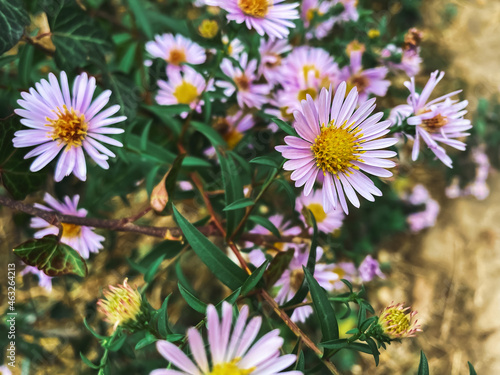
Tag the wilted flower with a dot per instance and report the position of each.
(43, 280)
(342, 144)
(79, 237)
(183, 87)
(248, 92)
(396, 321)
(369, 81)
(265, 16)
(232, 351)
(369, 268)
(123, 306)
(176, 50)
(440, 120)
(60, 121)
(327, 221)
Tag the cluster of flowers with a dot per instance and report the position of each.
(233, 348)
(477, 188)
(426, 218)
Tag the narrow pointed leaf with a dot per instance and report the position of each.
(191, 300)
(240, 203)
(423, 367)
(254, 278)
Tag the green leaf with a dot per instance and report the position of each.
(88, 362)
(423, 367)
(268, 161)
(301, 362)
(323, 308)
(218, 262)
(209, 132)
(161, 317)
(14, 169)
(254, 278)
(266, 223)
(191, 300)
(279, 264)
(163, 113)
(233, 187)
(374, 349)
(52, 257)
(151, 272)
(285, 185)
(77, 38)
(285, 127)
(471, 369)
(240, 203)
(26, 64)
(13, 20)
(125, 93)
(147, 340)
(141, 19)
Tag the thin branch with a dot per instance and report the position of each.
(124, 225)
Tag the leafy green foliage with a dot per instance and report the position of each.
(77, 39)
(14, 169)
(13, 19)
(52, 257)
(423, 367)
(222, 267)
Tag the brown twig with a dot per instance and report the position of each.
(297, 331)
(125, 225)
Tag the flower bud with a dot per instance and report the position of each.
(123, 306)
(396, 322)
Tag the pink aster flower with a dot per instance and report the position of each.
(327, 221)
(67, 122)
(291, 280)
(267, 17)
(397, 321)
(43, 280)
(248, 92)
(369, 268)
(426, 218)
(350, 12)
(340, 142)
(4, 370)
(176, 50)
(410, 59)
(369, 81)
(183, 87)
(234, 48)
(310, 65)
(271, 52)
(343, 270)
(79, 237)
(311, 8)
(439, 120)
(232, 350)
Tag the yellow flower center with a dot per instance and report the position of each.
(311, 13)
(277, 62)
(255, 8)
(359, 81)
(186, 93)
(310, 68)
(340, 272)
(396, 321)
(303, 93)
(230, 368)
(318, 212)
(177, 56)
(71, 230)
(435, 123)
(69, 127)
(335, 148)
(242, 82)
(208, 29)
(233, 138)
(296, 278)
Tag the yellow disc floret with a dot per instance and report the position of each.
(186, 93)
(336, 148)
(177, 56)
(208, 29)
(397, 321)
(255, 8)
(71, 230)
(230, 368)
(318, 212)
(69, 128)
